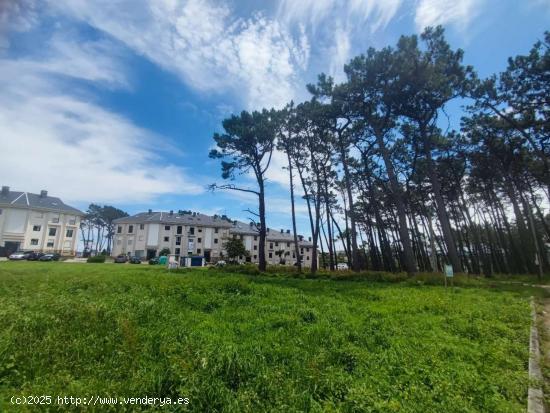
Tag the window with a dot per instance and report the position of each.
(118, 241)
(255, 256)
(307, 258)
(302, 250)
(178, 240)
(52, 232)
(129, 242)
(215, 230)
(179, 229)
(50, 244)
(288, 244)
(307, 249)
(141, 226)
(36, 228)
(192, 230)
(166, 239)
(55, 220)
(276, 244)
(140, 238)
(215, 240)
(255, 238)
(0, 211)
(199, 240)
(34, 241)
(200, 229)
(177, 251)
(255, 247)
(198, 250)
(167, 227)
(72, 221)
(119, 229)
(130, 229)
(270, 255)
(270, 245)
(69, 233)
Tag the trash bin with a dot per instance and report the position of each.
(163, 260)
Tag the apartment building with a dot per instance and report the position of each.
(187, 233)
(37, 222)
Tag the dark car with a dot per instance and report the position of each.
(153, 261)
(135, 260)
(50, 257)
(34, 256)
(121, 259)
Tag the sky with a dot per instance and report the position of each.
(117, 102)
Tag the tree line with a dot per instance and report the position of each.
(97, 228)
(383, 173)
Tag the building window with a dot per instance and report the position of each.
(302, 250)
(55, 220)
(0, 211)
(288, 244)
(130, 229)
(192, 230)
(255, 256)
(50, 244)
(199, 240)
(119, 229)
(118, 241)
(34, 241)
(129, 242)
(52, 232)
(178, 240)
(255, 238)
(179, 229)
(215, 230)
(270, 255)
(276, 244)
(255, 247)
(69, 233)
(141, 226)
(307, 249)
(215, 240)
(36, 228)
(167, 227)
(200, 229)
(270, 245)
(140, 238)
(177, 251)
(72, 221)
(307, 258)
(198, 250)
(166, 239)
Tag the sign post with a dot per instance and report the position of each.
(449, 274)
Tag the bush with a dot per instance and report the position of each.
(96, 259)
(164, 251)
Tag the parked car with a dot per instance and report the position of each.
(19, 255)
(50, 257)
(220, 263)
(135, 260)
(342, 266)
(153, 261)
(121, 259)
(34, 256)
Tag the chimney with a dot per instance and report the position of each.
(288, 231)
(5, 190)
(171, 212)
(150, 211)
(251, 224)
(282, 231)
(43, 193)
(301, 237)
(309, 239)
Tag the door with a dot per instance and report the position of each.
(207, 256)
(10, 247)
(151, 254)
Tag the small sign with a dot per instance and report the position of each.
(449, 271)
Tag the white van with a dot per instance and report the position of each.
(342, 266)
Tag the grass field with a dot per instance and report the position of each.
(253, 343)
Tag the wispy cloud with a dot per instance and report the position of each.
(453, 12)
(56, 137)
(205, 44)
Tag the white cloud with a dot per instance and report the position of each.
(340, 52)
(205, 45)
(377, 13)
(56, 139)
(457, 13)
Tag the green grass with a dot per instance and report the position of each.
(256, 343)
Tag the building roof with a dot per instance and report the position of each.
(180, 217)
(29, 200)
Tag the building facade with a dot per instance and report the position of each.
(37, 222)
(187, 233)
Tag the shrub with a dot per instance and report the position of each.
(164, 251)
(96, 259)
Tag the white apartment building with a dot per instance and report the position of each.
(37, 222)
(187, 233)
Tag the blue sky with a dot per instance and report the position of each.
(117, 102)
